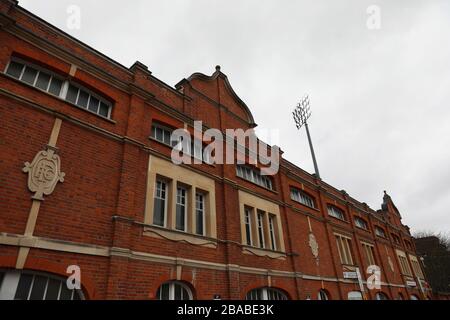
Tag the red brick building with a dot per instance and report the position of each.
(86, 180)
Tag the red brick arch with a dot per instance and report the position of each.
(47, 266)
(263, 284)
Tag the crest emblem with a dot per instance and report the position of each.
(313, 245)
(44, 173)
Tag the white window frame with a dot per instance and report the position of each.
(64, 86)
(346, 256)
(404, 265)
(203, 197)
(39, 69)
(416, 266)
(302, 198)
(248, 223)
(354, 295)
(265, 292)
(11, 278)
(254, 176)
(172, 285)
(260, 229)
(185, 207)
(380, 232)
(322, 294)
(361, 223)
(336, 212)
(273, 238)
(369, 251)
(165, 200)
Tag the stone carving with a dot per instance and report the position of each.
(313, 245)
(44, 173)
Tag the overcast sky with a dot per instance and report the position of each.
(380, 97)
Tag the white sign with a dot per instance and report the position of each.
(411, 283)
(350, 275)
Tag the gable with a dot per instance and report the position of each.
(217, 88)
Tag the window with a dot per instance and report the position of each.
(302, 198)
(404, 266)
(361, 223)
(354, 295)
(266, 294)
(159, 210)
(336, 212)
(35, 77)
(180, 219)
(46, 81)
(381, 296)
(369, 253)
(180, 204)
(199, 213)
(322, 295)
(174, 290)
(395, 238)
(248, 226)
(27, 285)
(254, 176)
(416, 266)
(87, 100)
(162, 134)
(380, 232)
(272, 232)
(260, 229)
(261, 239)
(344, 245)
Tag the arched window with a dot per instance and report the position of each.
(381, 296)
(266, 294)
(413, 297)
(323, 295)
(174, 290)
(30, 285)
(354, 295)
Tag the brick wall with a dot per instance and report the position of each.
(102, 200)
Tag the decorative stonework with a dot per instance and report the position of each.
(263, 253)
(44, 173)
(314, 245)
(179, 237)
